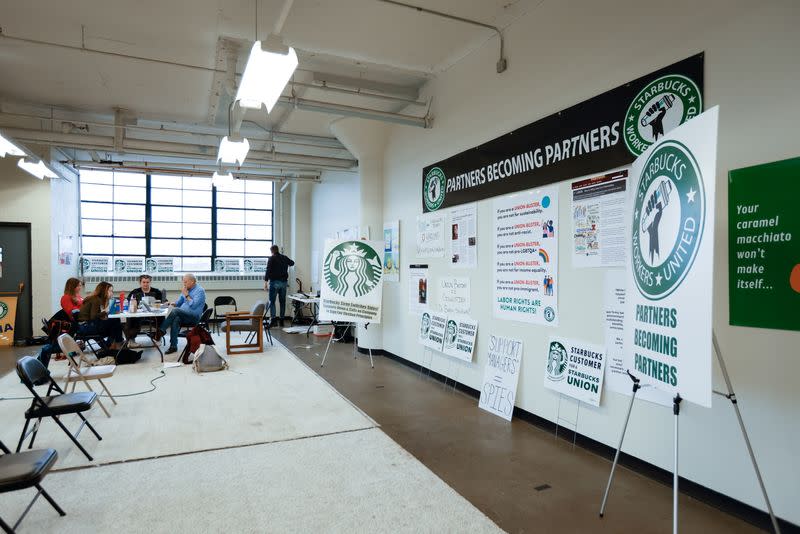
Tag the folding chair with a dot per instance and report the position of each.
(222, 301)
(24, 470)
(77, 373)
(203, 321)
(30, 370)
(267, 322)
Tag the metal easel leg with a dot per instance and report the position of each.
(731, 396)
(327, 348)
(676, 410)
(636, 387)
(370, 359)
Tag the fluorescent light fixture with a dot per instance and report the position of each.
(38, 169)
(221, 179)
(7, 148)
(233, 152)
(265, 75)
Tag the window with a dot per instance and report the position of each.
(125, 214)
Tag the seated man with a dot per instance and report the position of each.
(133, 326)
(186, 311)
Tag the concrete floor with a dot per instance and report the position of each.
(497, 466)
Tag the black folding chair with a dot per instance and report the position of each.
(31, 371)
(203, 321)
(24, 470)
(222, 301)
(267, 325)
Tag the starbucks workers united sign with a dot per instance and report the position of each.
(352, 281)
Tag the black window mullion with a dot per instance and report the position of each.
(213, 226)
(148, 216)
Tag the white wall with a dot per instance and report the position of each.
(560, 54)
(335, 205)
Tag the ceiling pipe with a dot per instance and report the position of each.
(351, 111)
(205, 166)
(192, 171)
(323, 86)
(502, 63)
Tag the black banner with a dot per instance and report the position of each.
(601, 133)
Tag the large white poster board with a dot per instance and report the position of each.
(598, 220)
(575, 368)
(526, 256)
(501, 375)
(432, 326)
(351, 285)
(454, 294)
(668, 324)
(430, 235)
(459, 337)
(464, 236)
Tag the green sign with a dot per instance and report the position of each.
(763, 258)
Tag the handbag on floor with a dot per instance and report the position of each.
(194, 338)
(206, 359)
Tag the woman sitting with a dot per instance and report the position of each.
(72, 300)
(93, 317)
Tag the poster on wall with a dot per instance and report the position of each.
(464, 236)
(430, 235)
(255, 265)
(432, 326)
(669, 310)
(604, 132)
(616, 376)
(95, 264)
(454, 294)
(598, 220)
(391, 251)
(526, 256)
(159, 265)
(763, 258)
(128, 264)
(352, 281)
(417, 288)
(459, 337)
(575, 369)
(66, 249)
(228, 265)
(8, 317)
(501, 376)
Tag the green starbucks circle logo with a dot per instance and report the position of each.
(151, 265)
(556, 361)
(352, 269)
(450, 334)
(549, 314)
(660, 106)
(3, 309)
(219, 266)
(434, 189)
(668, 220)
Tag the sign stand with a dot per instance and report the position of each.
(355, 352)
(731, 396)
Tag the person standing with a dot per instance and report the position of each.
(186, 311)
(276, 279)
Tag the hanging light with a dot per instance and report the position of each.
(269, 68)
(7, 148)
(36, 168)
(221, 179)
(232, 151)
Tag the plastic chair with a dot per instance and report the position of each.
(31, 371)
(23, 470)
(77, 373)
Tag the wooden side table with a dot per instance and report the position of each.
(257, 345)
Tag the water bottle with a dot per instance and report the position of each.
(123, 306)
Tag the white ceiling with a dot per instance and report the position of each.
(362, 39)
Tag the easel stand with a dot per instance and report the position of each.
(355, 351)
(731, 396)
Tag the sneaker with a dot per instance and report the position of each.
(171, 350)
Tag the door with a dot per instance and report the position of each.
(15, 267)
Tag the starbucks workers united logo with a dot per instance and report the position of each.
(352, 269)
(668, 220)
(434, 189)
(659, 107)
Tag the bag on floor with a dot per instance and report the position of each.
(126, 356)
(206, 359)
(194, 338)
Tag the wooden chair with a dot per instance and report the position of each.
(83, 373)
(250, 322)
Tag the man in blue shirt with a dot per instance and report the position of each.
(186, 311)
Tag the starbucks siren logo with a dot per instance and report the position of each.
(151, 265)
(425, 325)
(556, 361)
(668, 220)
(660, 106)
(434, 189)
(450, 334)
(352, 269)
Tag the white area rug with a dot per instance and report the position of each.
(359, 481)
(266, 397)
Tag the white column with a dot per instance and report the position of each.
(366, 140)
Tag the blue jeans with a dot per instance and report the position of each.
(174, 321)
(277, 288)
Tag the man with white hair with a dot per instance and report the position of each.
(186, 311)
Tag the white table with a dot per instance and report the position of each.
(143, 314)
(313, 303)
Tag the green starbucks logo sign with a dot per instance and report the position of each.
(434, 189)
(352, 269)
(659, 107)
(450, 334)
(668, 220)
(556, 361)
(3, 309)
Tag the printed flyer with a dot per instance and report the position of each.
(526, 256)
(417, 288)
(575, 368)
(464, 236)
(598, 220)
(391, 251)
(430, 235)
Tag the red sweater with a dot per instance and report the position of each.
(68, 305)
